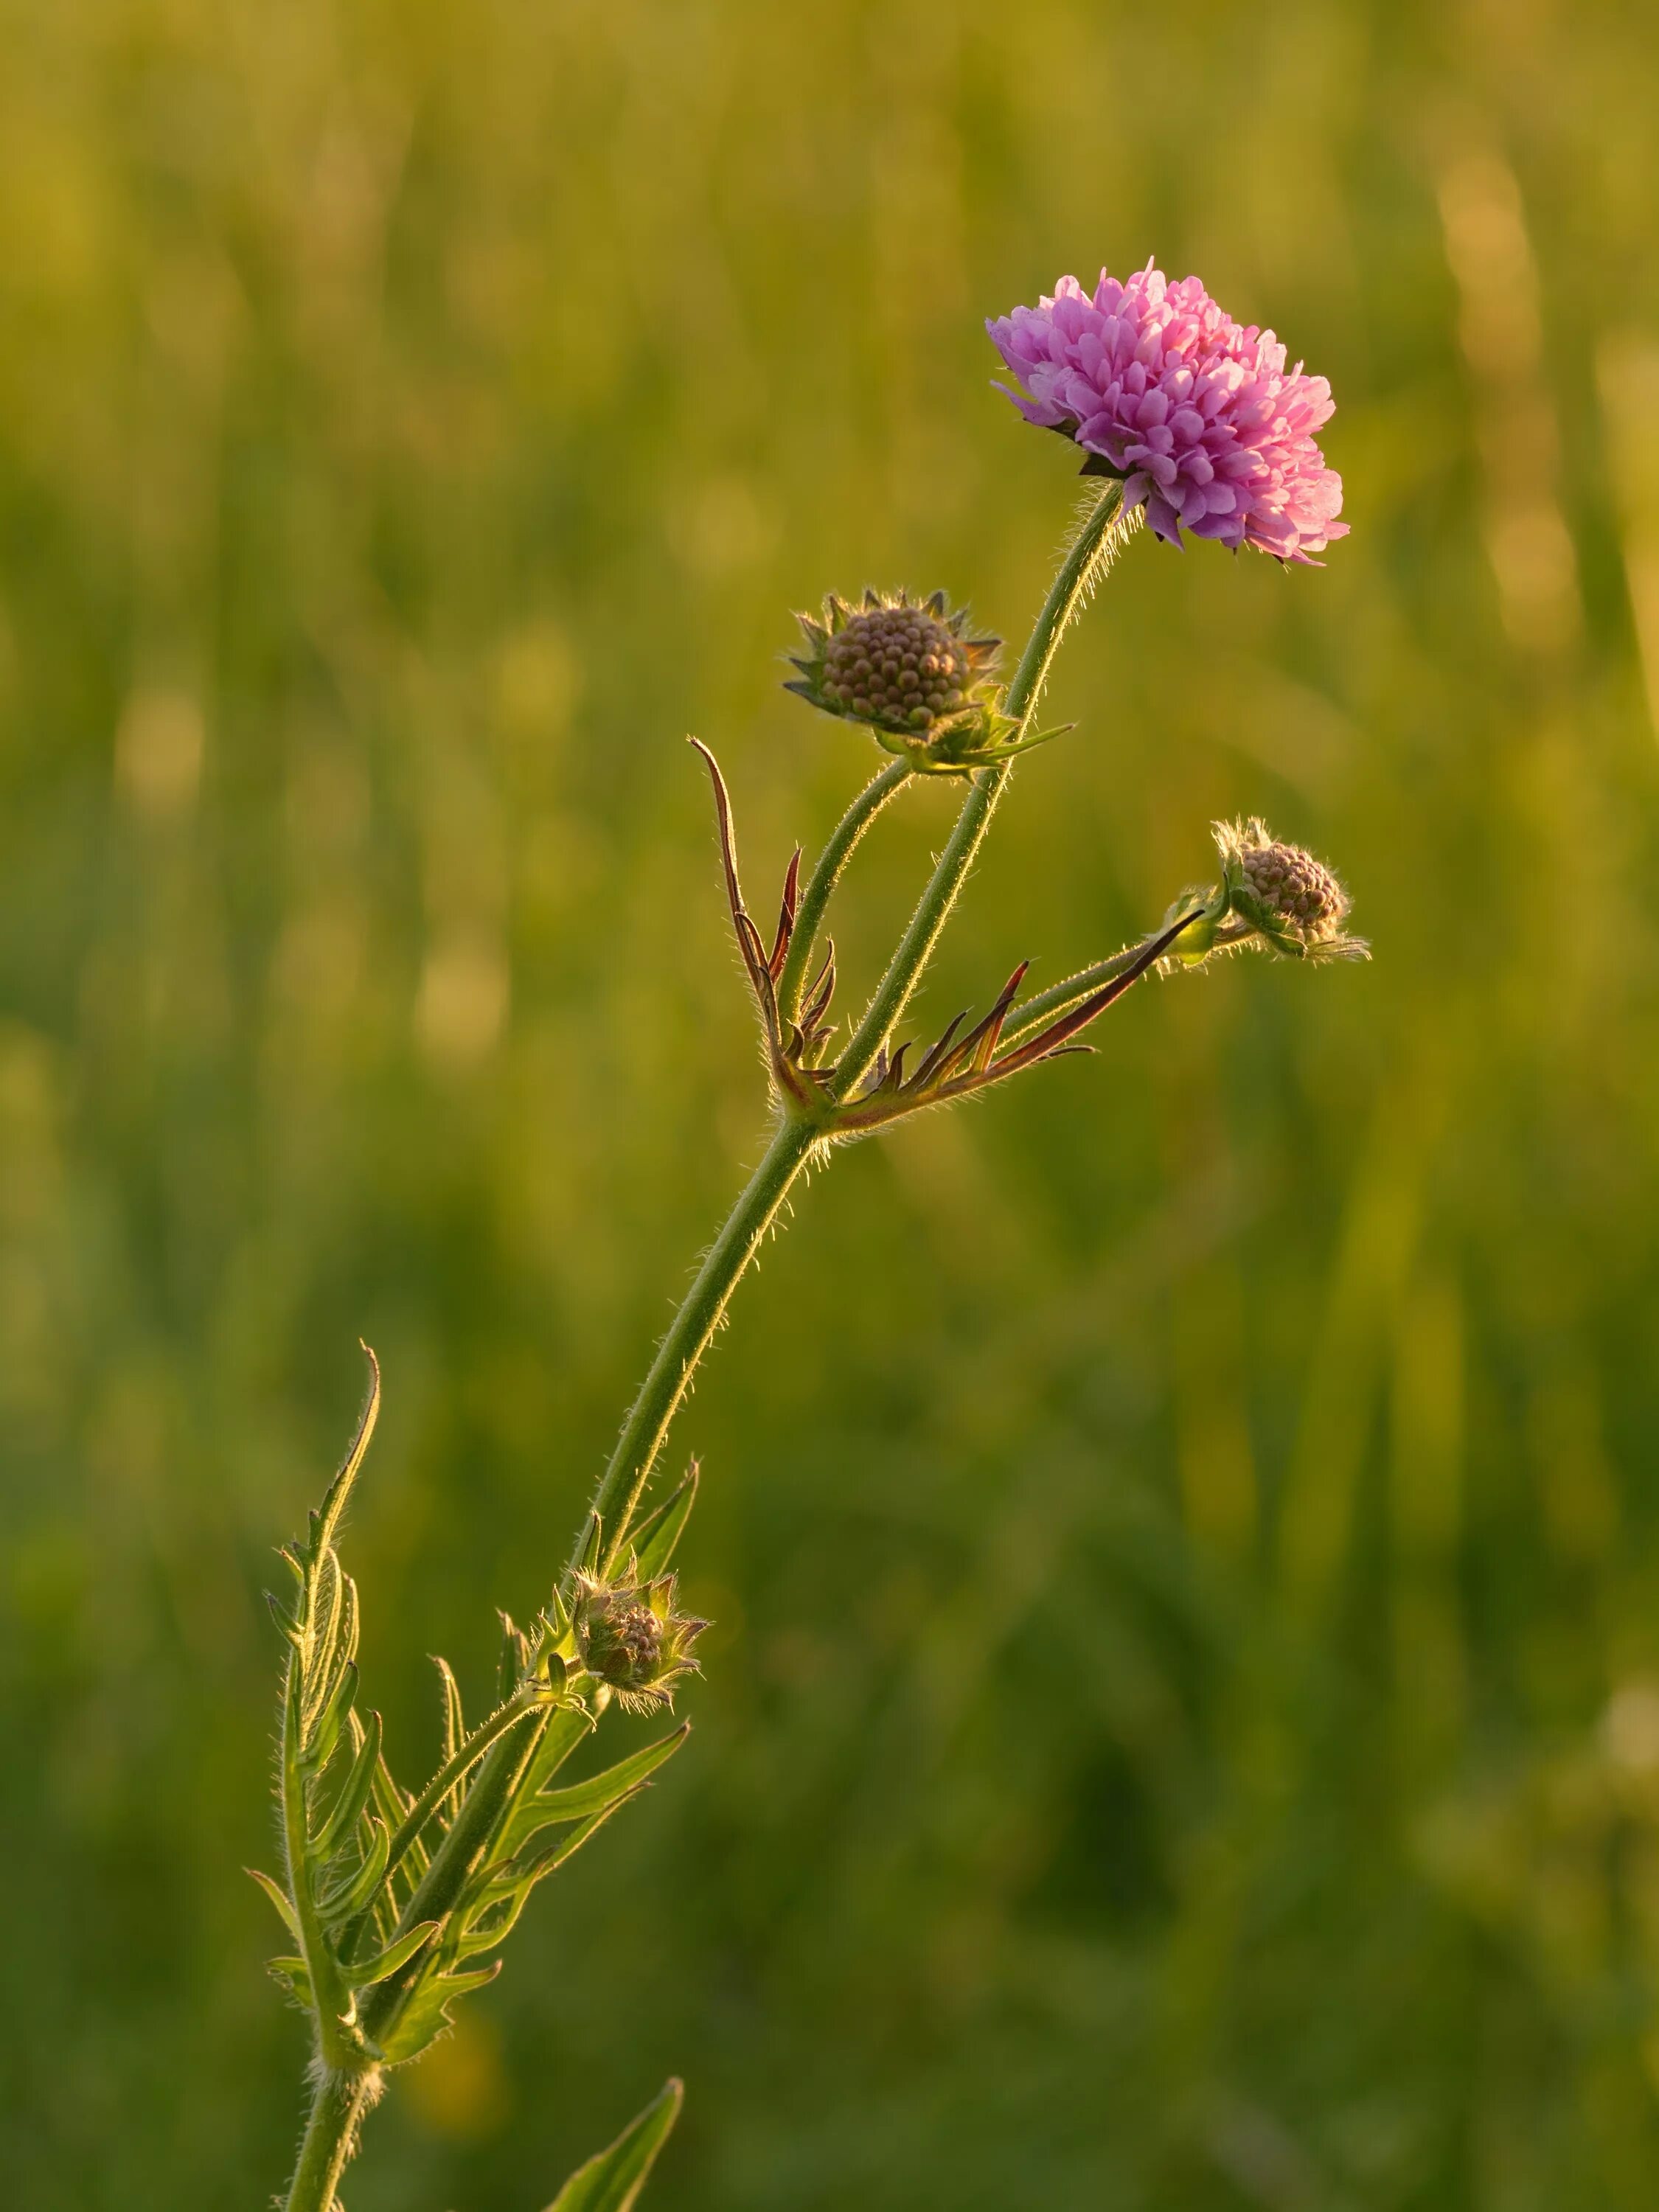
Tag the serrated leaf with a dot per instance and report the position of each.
(653, 1541)
(364, 1976)
(612, 2181)
(279, 1898)
(582, 1800)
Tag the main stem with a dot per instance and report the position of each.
(671, 1371)
(337, 2105)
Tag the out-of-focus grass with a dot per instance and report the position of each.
(1183, 1724)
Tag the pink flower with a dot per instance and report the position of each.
(1197, 415)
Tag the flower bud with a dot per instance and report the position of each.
(905, 669)
(630, 1638)
(1272, 894)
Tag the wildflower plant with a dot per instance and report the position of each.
(395, 1902)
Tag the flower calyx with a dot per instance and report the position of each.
(1271, 895)
(631, 1640)
(910, 673)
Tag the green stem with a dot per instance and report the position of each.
(1061, 998)
(337, 2105)
(821, 883)
(687, 1337)
(1091, 550)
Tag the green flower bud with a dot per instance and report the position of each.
(631, 1640)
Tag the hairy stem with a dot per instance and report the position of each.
(337, 2105)
(688, 1334)
(1061, 998)
(826, 874)
(1091, 550)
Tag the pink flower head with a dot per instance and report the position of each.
(1199, 417)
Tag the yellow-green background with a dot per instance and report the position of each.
(1182, 1727)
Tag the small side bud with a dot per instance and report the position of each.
(630, 1638)
(1272, 895)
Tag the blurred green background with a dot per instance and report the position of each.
(1182, 1727)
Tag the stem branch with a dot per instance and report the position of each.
(826, 874)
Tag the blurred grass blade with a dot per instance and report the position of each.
(612, 2181)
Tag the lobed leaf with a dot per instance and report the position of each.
(598, 1794)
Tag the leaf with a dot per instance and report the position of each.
(323, 1733)
(592, 1544)
(291, 1975)
(354, 1891)
(325, 1522)
(583, 1799)
(570, 1726)
(354, 1794)
(652, 1542)
(370, 1971)
(279, 1898)
(543, 1863)
(612, 2181)
(493, 1908)
(427, 2015)
(454, 1721)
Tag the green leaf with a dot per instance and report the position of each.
(370, 1971)
(513, 1664)
(653, 1541)
(353, 1891)
(279, 1898)
(612, 2181)
(427, 2014)
(583, 1799)
(322, 1733)
(570, 1726)
(592, 1545)
(292, 1976)
(547, 1861)
(354, 1794)
(325, 1522)
(454, 1722)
